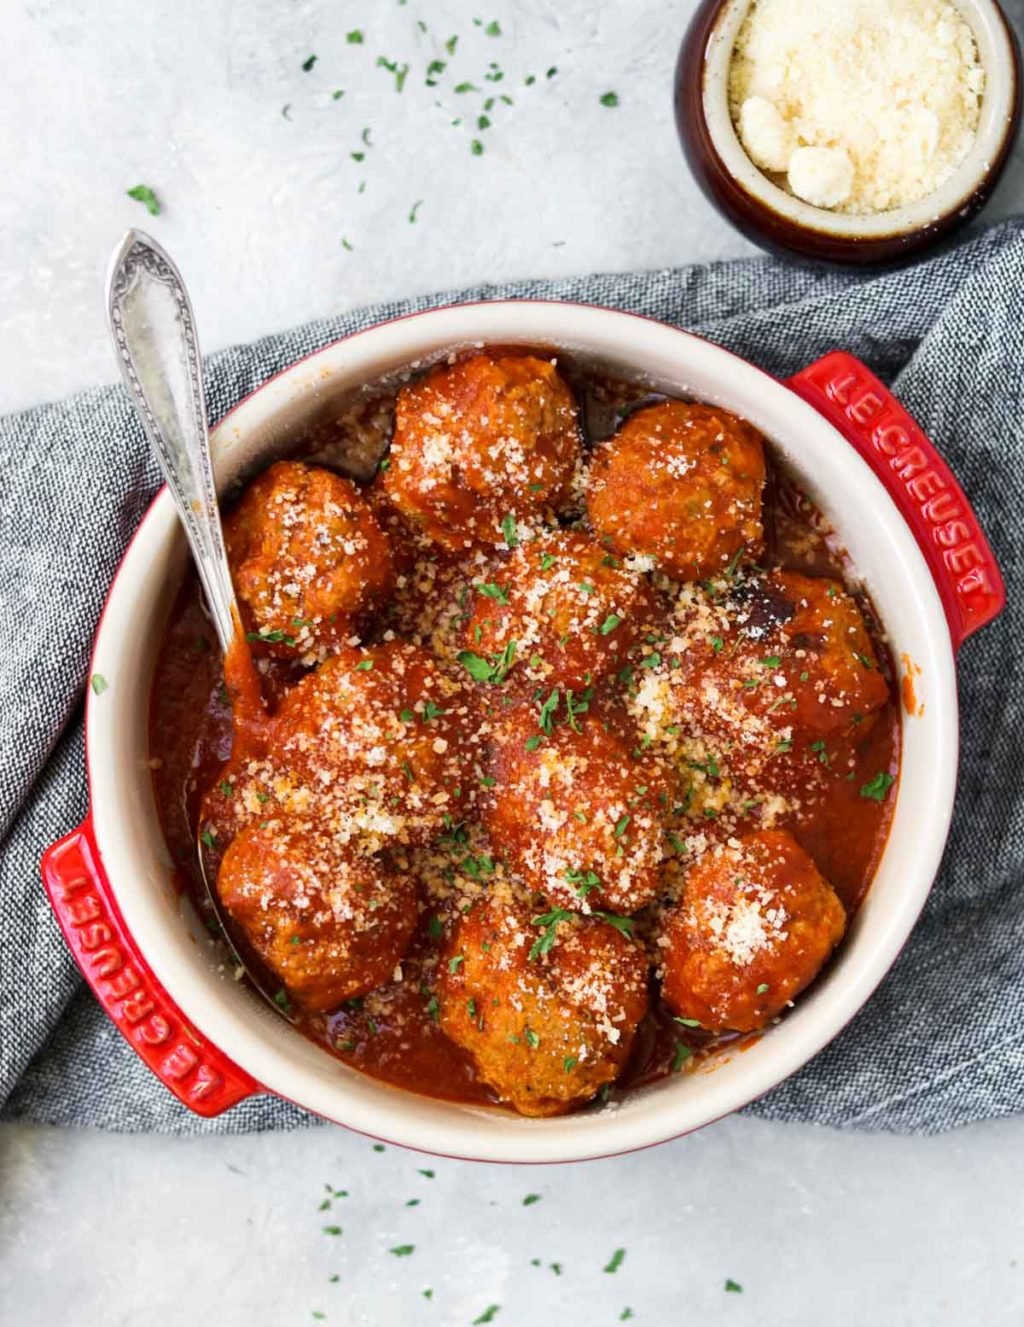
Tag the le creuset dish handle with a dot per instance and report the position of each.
(199, 1075)
(918, 480)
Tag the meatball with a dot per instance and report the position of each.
(376, 745)
(791, 650)
(482, 445)
(330, 925)
(573, 610)
(310, 562)
(577, 808)
(547, 1005)
(755, 925)
(681, 483)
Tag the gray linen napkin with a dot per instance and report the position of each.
(940, 1044)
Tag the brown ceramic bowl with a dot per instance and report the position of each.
(774, 218)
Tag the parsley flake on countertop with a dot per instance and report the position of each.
(308, 63)
(354, 38)
(610, 99)
(142, 193)
(403, 1250)
(414, 209)
(488, 1315)
(530, 1199)
(733, 1287)
(616, 1260)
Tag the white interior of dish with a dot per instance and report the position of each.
(131, 842)
(995, 51)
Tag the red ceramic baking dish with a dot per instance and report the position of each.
(911, 536)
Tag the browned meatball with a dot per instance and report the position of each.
(547, 1004)
(329, 924)
(754, 927)
(310, 562)
(792, 650)
(579, 810)
(481, 446)
(573, 610)
(681, 483)
(377, 746)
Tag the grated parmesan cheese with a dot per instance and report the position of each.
(859, 107)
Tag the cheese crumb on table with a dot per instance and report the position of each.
(858, 107)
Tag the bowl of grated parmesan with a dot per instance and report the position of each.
(855, 133)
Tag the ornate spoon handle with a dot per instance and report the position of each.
(154, 334)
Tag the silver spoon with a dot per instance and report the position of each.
(154, 333)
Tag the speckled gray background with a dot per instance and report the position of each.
(98, 95)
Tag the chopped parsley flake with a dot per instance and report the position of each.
(413, 210)
(609, 624)
(616, 1260)
(488, 1315)
(494, 671)
(270, 637)
(610, 99)
(403, 1250)
(733, 1287)
(354, 38)
(142, 193)
(530, 1199)
(548, 921)
(679, 1057)
(308, 63)
(875, 789)
(533, 1041)
(624, 925)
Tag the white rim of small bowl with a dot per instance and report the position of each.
(281, 1060)
(991, 33)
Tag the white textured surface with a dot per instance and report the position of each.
(819, 1228)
